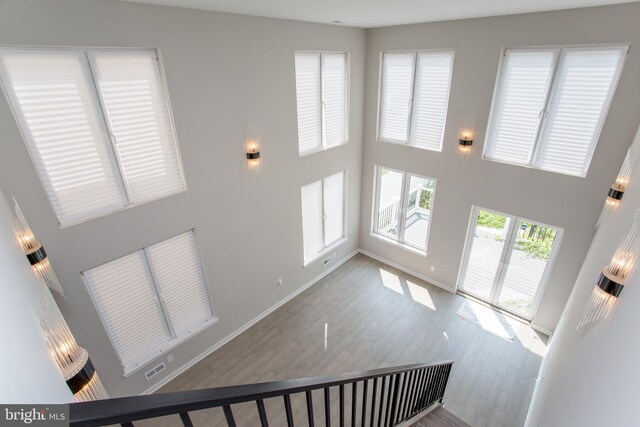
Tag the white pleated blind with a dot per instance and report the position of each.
(72, 106)
(333, 202)
(181, 283)
(518, 104)
(309, 101)
(125, 297)
(151, 300)
(54, 102)
(396, 96)
(334, 98)
(432, 82)
(312, 221)
(133, 95)
(550, 105)
(583, 90)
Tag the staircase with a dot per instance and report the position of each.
(382, 397)
(438, 417)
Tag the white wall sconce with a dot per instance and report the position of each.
(466, 141)
(612, 278)
(622, 181)
(72, 360)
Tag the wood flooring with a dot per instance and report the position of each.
(367, 315)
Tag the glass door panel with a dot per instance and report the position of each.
(526, 267)
(389, 203)
(418, 211)
(490, 236)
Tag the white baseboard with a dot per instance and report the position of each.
(541, 329)
(408, 271)
(246, 326)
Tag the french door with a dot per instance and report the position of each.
(507, 260)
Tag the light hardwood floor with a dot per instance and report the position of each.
(376, 316)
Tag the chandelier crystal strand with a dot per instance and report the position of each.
(613, 277)
(35, 252)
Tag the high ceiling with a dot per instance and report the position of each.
(379, 13)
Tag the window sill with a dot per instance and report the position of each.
(170, 345)
(527, 166)
(400, 245)
(320, 150)
(325, 251)
(406, 144)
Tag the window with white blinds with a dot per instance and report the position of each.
(323, 207)
(97, 125)
(322, 101)
(550, 104)
(151, 300)
(414, 94)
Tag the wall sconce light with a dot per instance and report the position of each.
(622, 181)
(253, 159)
(72, 360)
(612, 278)
(35, 253)
(465, 142)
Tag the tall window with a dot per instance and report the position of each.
(549, 106)
(97, 125)
(151, 300)
(403, 207)
(414, 94)
(321, 88)
(323, 206)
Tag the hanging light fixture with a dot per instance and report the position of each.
(73, 361)
(622, 181)
(612, 278)
(35, 253)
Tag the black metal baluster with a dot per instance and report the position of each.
(394, 400)
(310, 408)
(186, 420)
(365, 387)
(381, 403)
(228, 414)
(421, 390)
(414, 393)
(437, 394)
(287, 410)
(263, 414)
(401, 396)
(392, 379)
(427, 389)
(127, 424)
(341, 405)
(327, 406)
(373, 402)
(445, 381)
(354, 403)
(407, 401)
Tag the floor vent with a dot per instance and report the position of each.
(153, 372)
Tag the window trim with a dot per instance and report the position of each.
(404, 194)
(339, 242)
(347, 100)
(415, 53)
(173, 340)
(103, 122)
(553, 84)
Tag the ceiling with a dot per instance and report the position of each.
(378, 13)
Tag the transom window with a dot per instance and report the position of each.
(323, 213)
(151, 300)
(321, 88)
(97, 125)
(414, 94)
(403, 207)
(549, 106)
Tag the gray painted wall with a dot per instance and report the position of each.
(589, 377)
(228, 76)
(465, 180)
(29, 375)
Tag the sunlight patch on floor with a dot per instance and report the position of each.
(391, 281)
(420, 295)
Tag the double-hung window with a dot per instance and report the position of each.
(321, 90)
(549, 106)
(323, 213)
(151, 300)
(403, 207)
(98, 127)
(414, 94)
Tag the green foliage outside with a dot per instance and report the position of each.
(425, 200)
(491, 220)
